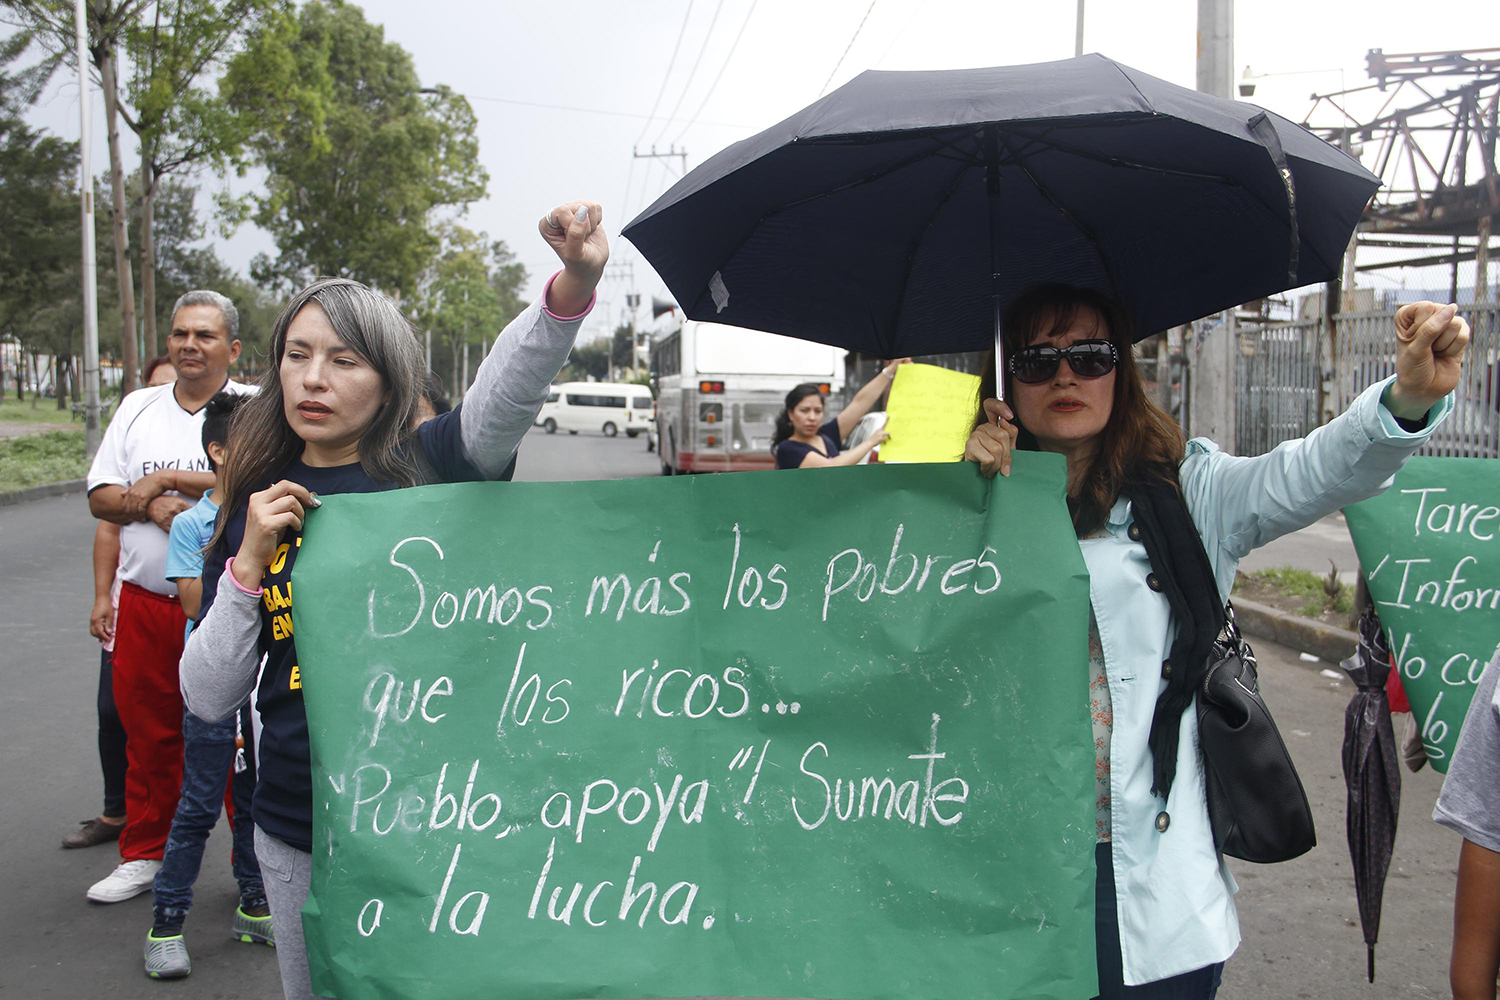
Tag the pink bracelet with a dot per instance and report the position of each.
(546, 289)
(229, 572)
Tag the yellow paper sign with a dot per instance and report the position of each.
(930, 414)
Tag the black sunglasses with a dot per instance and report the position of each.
(1087, 358)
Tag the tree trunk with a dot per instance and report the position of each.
(148, 253)
(122, 237)
(59, 381)
(457, 391)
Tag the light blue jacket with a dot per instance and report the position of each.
(1176, 897)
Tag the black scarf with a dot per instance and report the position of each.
(1187, 580)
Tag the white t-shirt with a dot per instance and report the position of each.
(150, 431)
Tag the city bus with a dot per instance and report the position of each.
(719, 389)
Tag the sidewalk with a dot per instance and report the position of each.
(1313, 549)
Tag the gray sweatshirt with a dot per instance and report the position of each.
(218, 668)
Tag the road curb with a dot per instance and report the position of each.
(1327, 642)
(45, 490)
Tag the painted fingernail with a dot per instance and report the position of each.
(315, 501)
(581, 214)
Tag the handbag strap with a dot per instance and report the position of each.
(1231, 640)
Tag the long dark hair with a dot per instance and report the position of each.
(262, 443)
(784, 418)
(1139, 443)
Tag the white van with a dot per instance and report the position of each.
(610, 407)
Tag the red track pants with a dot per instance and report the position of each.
(148, 646)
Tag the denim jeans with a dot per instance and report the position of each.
(1200, 984)
(208, 752)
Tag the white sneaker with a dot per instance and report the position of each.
(131, 878)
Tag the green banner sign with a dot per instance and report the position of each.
(797, 734)
(1430, 549)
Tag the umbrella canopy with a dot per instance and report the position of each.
(1372, 774)
(900, 213)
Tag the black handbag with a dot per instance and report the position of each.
(1257, 807)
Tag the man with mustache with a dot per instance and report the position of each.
(150, 467)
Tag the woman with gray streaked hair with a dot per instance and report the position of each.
(334, 415)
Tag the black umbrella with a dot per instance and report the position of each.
(1372, 772)
(899, 214)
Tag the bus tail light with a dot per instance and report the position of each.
(710, 386)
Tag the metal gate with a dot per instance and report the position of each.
(1281, 371)
(1277, 377)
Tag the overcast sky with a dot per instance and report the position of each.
(611, 59)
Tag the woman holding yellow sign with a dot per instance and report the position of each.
(804, 441)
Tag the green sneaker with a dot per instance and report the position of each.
(167, 957)
(253, 929)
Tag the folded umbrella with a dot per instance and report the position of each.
(1372, 774)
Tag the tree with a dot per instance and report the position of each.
(183, 265)
(458, 302)
(467, 296)
(179, 121)
(39, 244)
(360, 158)
(50, 22)
(589, 361)
(622, 346)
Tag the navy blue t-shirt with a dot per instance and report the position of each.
(283, 790)
(789, 453)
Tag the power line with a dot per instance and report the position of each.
(847, 48)
(595, 111)
(691, 121)
(667, 75)
(692, 72)
(898, 36)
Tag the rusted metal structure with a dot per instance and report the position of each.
(1434, 138)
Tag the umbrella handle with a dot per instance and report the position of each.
(992, 189)
(999, 356)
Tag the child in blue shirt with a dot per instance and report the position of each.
(210, 757)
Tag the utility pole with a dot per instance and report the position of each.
(1212, 357)
(672, 153)
(86, 203)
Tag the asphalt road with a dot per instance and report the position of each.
(564, 457)
(1299, 919)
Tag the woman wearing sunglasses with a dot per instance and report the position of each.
(1141, 500)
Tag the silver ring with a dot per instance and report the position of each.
(550, 224)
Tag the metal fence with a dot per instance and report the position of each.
(1290, 378)
(1278, 376)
